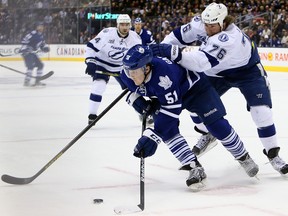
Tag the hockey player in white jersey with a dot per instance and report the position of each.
(230, 59)
(103, 58)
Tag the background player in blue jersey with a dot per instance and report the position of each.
(146, 35)
(177, 88)
(230, 59)
(32, 43)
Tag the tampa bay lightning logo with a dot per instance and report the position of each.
(116, 54)
(223, 37)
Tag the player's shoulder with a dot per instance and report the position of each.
(196, 19)
(164, 66)
(134, 35)
(228, 37)
(33, 32)
(108, 30)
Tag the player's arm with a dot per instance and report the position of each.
(91, 49)
(194, 60)
(186, 34)
(44, 47)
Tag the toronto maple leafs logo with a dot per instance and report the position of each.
(142, 90)
(165, 82)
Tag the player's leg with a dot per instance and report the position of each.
(97, 89)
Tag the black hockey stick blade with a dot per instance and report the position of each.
(3, 55)
(15, 180)
(121, 210)
(47, 75)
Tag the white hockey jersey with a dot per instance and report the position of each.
(108, 48)
(222, 52)
(187, 34)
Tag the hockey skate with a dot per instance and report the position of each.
(205, 143)
(26, 83)
(250, 167)
(196, 177)
(38, 83)
(276, 162)
(91, 118)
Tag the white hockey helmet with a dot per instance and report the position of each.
(214, 13)
(123, 18)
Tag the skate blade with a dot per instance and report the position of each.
(209, 147)
(197, 186)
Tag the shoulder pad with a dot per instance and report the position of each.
(197, 18)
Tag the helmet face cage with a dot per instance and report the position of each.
(123, 18)
(214, 13)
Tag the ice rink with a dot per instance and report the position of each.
(37, 123)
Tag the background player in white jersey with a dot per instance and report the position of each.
(230, 59)
(104, 54)
(32, 43)
(177, 88)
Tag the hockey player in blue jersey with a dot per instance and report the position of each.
(147, 39)
(146, 35)
(230, 59)
(177, 88)
(32, 43)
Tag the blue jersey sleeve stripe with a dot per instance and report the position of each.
(213, 61)
(178, 35)
(173, 115)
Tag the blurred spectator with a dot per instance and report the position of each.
(264, 41)
(68, 21)
(284, 39)
(276, 42)
(266, 32)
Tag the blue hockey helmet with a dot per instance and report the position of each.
(137, 57)
(138, 20)
(39, 24)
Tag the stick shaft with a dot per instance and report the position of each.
(15, 180)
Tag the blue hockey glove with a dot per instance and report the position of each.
(141, 105)
(138, 103)
(91, 66)
(45, 49)
(148, 143)
(172, 52)
(26, 51)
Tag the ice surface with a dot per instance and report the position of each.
(37, 123)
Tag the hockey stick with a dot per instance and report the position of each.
(7, 55)
(45, 76)
(142, 169)
(108, 73)
(16, 52)
(134, 209)
(20, 181)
